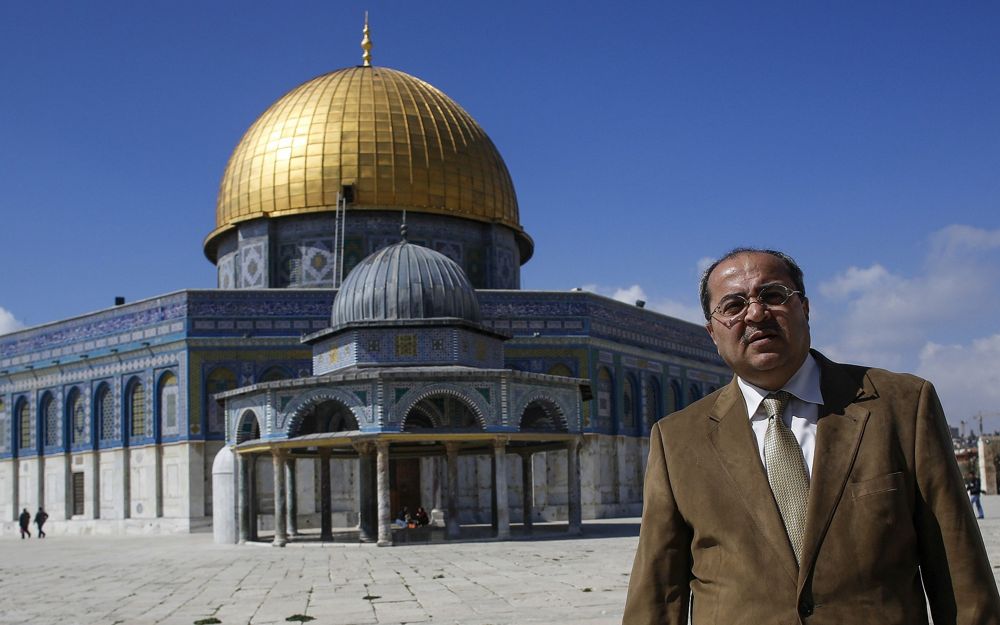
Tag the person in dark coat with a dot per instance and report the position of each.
(975, 488)
(24, 520)
(40, 518)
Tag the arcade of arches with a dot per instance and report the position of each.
(392, 470)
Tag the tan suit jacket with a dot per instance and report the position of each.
(888, 518)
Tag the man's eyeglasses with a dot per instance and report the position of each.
(733, 308)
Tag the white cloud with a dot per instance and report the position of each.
(703, 264)
(855, 280)
(630, 294)
(967, 377)
(8, 323)
(959, 239)
(930, 321)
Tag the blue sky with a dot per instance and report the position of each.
(643, 138)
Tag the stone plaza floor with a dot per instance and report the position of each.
(183, 580)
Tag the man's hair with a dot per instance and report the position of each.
(794, 272)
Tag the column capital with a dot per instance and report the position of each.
(451, 448)
(279, 452)
(364, 447)
(500, 442)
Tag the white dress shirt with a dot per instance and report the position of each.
(800, 415)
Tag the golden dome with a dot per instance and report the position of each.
(402, 143)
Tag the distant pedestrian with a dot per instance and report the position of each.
(975, 488)
(24, 520)
(40, 518)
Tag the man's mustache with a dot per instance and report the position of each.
(766, 326)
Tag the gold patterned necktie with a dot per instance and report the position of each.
(786, 471)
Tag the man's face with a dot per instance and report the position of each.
(769, 344)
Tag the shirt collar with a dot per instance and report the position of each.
(804, 385)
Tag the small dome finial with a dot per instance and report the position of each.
(402, 226)
(366, 45)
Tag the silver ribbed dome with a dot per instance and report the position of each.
(405, 282)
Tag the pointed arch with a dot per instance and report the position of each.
(25, 425)
(652, 402)
(421, 399)
(301, 406)
(105, 419)
(542, 414)
(51, 423)
(274, 373)
(135, 408)
(167, 403)
(327, 415)
(694, 393)
(561, 369)
(76, 417)
(675, 400)
(607, 408)
(248, 428)
(219, 379)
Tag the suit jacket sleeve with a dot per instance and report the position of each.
(956, 573)
(659, 588)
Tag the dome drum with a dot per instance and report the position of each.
(298, 251)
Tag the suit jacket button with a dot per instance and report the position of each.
(806, 608)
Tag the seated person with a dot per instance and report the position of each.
(421, 517)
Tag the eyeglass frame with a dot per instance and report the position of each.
(751, 299)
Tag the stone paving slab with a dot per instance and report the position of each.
(178, 580)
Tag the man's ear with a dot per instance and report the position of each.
(711, 332)
(805, 307)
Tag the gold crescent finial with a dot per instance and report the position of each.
(366, 45)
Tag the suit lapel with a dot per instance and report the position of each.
(838, 436)
(734, 444)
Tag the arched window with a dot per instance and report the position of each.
(274, 374)
(136, 403)
(167, 403)
(24, 424)
(694, 393)
(248, 428)
(219, 380)
(104, 413)
(326, 416)
(651, 402)
(676, 400)
(605, 396)
(629, 398)
(561, 369)
(50, 416)
(76, 415)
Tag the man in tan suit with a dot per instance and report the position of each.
(805, 491)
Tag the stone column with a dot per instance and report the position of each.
(368, 495)
(15, 489)
(325, 507)
(291, 497)
(500, 487)
(575, 512)
(280, 503)
(252, 497)
(527, 485)
(452, 528)
(384, 514)
(243, 465)
(158, 478)
(95, 484)
(125, 496)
